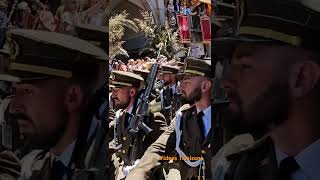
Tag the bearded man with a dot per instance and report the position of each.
(188, 139)
(273, 86)
(127, 151)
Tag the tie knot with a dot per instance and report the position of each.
(288, 165)
(200, 114)
(58, 165)
(59, 170)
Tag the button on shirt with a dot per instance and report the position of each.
(206, 119)
(308, 161)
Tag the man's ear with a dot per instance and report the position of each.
(74, 98)
(132, 92)
(303, 78)
(206, 86)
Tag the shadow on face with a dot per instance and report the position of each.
(40, 111)
(257, 86)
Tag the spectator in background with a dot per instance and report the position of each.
(67, 17)
(3, 12)
(171, 14)
(94, 13)
(185, 9)
(3, 20)
(131, 65)
(23, 17)
(45, 19)
(176, 6)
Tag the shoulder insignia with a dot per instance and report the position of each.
(247, 145)
(186, 107)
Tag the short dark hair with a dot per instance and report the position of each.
(86, 75)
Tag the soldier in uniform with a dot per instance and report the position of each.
(129, 150)
(168, 97)
(185, 148)
(273, 85)
(55, 77)
(143, 73)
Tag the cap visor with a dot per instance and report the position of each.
(21, 76)
(9, 78)
(5, 52)
(225, 46)
(180, 76)
(118, 86)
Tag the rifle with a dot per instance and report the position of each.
(142, 113)
(137, 120)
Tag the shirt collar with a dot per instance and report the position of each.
(206, 112)
(65, 157)
(280, 156)
(130, 110)
(308, 159)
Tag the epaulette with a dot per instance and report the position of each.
(186, 107)
(251, 147)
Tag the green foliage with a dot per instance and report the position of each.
(117, 25)
(158, 37)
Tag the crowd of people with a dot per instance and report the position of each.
(59, 17)
(170, 92)
(142, 63)
(161, 118)
(195, 9)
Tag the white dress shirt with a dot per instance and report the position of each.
(308, 160)
(206, 119)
